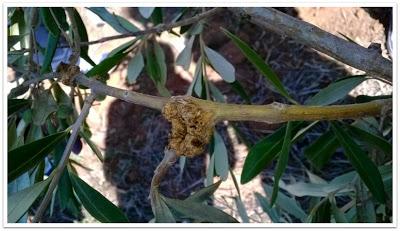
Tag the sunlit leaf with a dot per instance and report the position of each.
(204, 193)
(185, 57)
(220, 64)
(221, 157)
(162, 213)
(109, 18)
(271, 211)
(135, 67)
(146, 11)
(242, 210)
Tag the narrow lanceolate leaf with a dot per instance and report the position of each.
(185, 56)
(11, 132)
(336, 90)
(259, 63)
(364, 166)
(105, 66)
(160, 57)
(25, 157)
(43, 105)
(323, 213)
(220, 64)
(239, 89)
(371, 139)
(199, 211)
(135, 67)
(156, 70)
(271, 211)
(221, 157)
(204, 193)
(96, 204)
(109, 18)
(321, 150)
(261, 155)
(336, 212)
(146, 11)
(93, 146)
(14, 105)
(83, 37)
(242, 210)
(162, 213)
(286, 203)
(19, 202)
(282, 161)
(51, 47)
(126, 24)
(49, 22)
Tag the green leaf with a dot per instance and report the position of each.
(96, 204)
(109, 18)
(59, 14)
(320, 151)
(199, 211)
(43, 105)
(198, 79)
(367, 98)
(126, 24)
(216, 93)
(157, 16)
(221, 157)
(271, 211)
(242, 210)
(135, 66)
(93, 146)
(204, 193)
(370, 139)
(49, 22)
(156, 70)
(259, 63)
(14, 105)
(210, 171)
(287, 204)
(19, 202)
(238, 88)
(282, 161)
(146, 11)
(162, 213)
(323, 213)
(51, 48)
(336, 90)
(185, 57)
(235, 183)
(365, 205)
(220, 64)
(160, 57)
(336, 212)
(301, 189)
(106, 65)
(261, 155)
(83, 37)
(11, 133)
(122, 48)
(25, 157)
(364, 166)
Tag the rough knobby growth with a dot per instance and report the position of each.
(192, 126)
(68, 72)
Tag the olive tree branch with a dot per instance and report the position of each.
(156, 29)
(64, 159)
(368, 60)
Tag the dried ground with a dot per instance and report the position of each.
(132, 137)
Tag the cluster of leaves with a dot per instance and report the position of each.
(39, 125)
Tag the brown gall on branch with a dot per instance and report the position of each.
(192, 126)
(368, 60)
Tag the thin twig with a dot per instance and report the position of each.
(368, 60)
(157, 29)
(169, 159)
(64, 159)
(76, 38)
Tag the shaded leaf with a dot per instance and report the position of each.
(339, 216)
(93, 146)
(242, 210)
(19, 202)
(106, 65)
(320, 151)
(364, 166)
(126, 24)
(282, 161)
(162, 213)
(238, 88)
(155, 70)
(336, 90)
(323, 213)
(109, 18)
(96, 204)
(210, 171)
(23, 158)
(204, 193)
(43, 105)
(11, 133)
(221, 157)
(367, 98)
(199, 211)
(220, 64)
(146, 11)
(83, 37)
(287, 204)
(160, 57)
(216, 93)
(371, 139)
(185, 57)
(51, 48)
(122, 48)
(135, 66)
(271, 211)
(49, 22)
(259, 63)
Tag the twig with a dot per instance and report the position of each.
(63, 32)
(169, 159)
(64, 159)
(76, 38)
(157, 29)
(349, 53)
